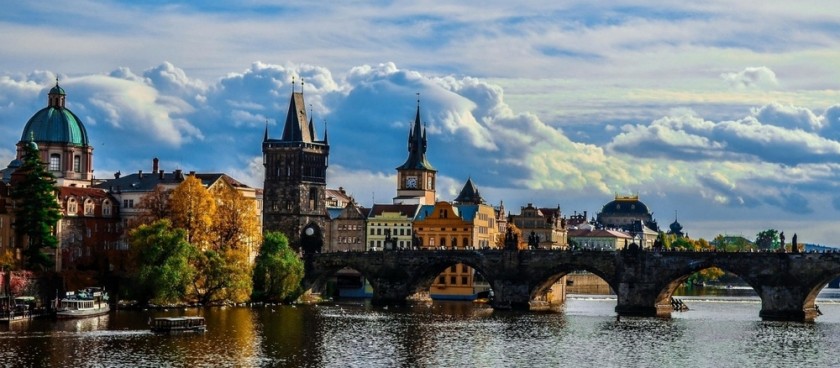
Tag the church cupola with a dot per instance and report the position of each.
(56, 97)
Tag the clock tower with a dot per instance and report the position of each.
(416, 177)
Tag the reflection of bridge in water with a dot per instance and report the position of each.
(644, 281)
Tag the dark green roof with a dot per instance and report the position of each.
(55, 125)
(57, 90)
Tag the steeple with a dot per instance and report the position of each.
(296, 128)
(311, 125)
(265, 136)
(469, 194)
(417, 147)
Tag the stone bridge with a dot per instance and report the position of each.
(787, 283)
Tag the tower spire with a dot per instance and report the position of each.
(265, 136)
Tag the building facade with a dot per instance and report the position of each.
(391, 222)
(294, 191)
(543, 228)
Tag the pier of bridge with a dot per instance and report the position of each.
(644, 281)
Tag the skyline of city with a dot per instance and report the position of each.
(736, 134)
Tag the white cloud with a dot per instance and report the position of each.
(752, 77)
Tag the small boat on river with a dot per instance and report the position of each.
(170, 325)
(88, 302)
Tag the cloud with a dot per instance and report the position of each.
(775, 156)
(752, 77)
(688, 137)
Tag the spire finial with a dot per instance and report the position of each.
(293, 84)
(301, 85)
(56, 81)
(418, 100)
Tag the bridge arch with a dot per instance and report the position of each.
(672, 281)
(316, 279)
(424, 277)
(552, 275)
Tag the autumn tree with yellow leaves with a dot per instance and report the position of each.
(193, 208)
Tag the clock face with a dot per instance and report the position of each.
(411, 182)
(310, 231)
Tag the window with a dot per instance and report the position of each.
(465, 268)
(128, 203)
(464, 280)
(441, 280)
(89, 207)
(55, 162)
(106, 208)
(313, 198)
(453, 268)
(72, 207)
(77, 164)
(453, 280)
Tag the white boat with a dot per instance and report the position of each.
(178, 324)
(89, 302)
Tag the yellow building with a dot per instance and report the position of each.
(390, 219)
(469, 223)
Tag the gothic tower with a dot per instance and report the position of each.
(416, 177)
(295, 180)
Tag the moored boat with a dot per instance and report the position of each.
(88, 302)
(178, 324)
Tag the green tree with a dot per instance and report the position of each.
(278, 270)
(221, 276)
(36, 209)
(767, 239)
(162, 257)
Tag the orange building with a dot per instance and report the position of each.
(468, 223)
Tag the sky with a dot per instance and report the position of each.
(724, 115)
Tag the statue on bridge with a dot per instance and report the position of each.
(782, 241)
(794, 247)
(533, 240)
(511, 240)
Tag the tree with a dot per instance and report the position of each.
(153, 206)
(236, 223)
(36, 209)
(767, 239)
(278, 270)
(221, 276)
(193, 208)
(162, 256)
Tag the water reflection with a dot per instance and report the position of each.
(585, 333)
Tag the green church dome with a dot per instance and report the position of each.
(55, 123)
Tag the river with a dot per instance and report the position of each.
(717, 331)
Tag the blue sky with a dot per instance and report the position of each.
(727, 113)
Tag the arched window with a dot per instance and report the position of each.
(55, 162)
(466, 242)
(72, 207)
(77, 164)
(442, 241)
(106, 208)
(89, 207)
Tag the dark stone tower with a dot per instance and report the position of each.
(416, 177)
(296, 180)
